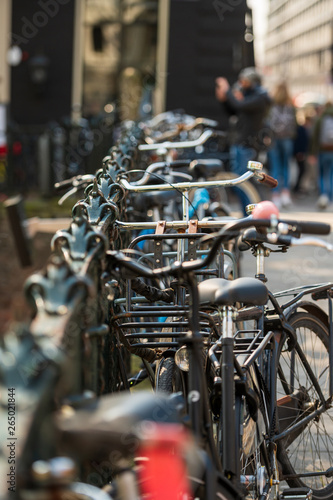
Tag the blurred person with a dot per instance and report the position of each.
(250, 102)
(301, 150)
(282, 123)
(322, 147)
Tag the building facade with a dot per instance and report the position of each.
(299, 45)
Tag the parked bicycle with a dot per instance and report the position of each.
(256, 393)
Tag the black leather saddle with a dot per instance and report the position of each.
(222, 292)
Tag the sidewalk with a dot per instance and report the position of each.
(305, 208)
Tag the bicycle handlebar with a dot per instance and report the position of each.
(178, 145)
(230, 231)
(310, 227)
(74, 181)
(254, 171)
(287, 237)
(160, 165)
(172, 117)
(183, 186)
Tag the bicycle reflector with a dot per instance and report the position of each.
(162, 472)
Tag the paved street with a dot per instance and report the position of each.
(300, 265)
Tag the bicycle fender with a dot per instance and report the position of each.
(311, 308)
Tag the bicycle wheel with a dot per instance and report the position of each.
(253, 457)
(309, 449)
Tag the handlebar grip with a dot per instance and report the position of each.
(178, 163)
(309, 227)
(267, 180)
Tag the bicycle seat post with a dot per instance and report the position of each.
(228, 394)
(261, 253)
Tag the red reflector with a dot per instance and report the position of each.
(163, 474)
(3, 150)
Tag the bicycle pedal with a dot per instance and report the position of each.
(296, 494)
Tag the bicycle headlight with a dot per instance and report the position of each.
(182, 359)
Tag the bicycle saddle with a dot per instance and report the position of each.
(111, 422)
(222, 292)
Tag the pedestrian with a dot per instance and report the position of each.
(322, 147)
(301, 150)
(249, 102)
(282, 123)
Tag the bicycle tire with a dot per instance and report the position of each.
(168, 377)
(312, 448)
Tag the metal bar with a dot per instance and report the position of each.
(138, 313)
(154, 335)
(183, 186)
(258, 350)
(154, 324)
(300, 423)
(253, 341)
(177, 145)
(156, 345)
(176, 224)
(327, 473)
(229, 449)
(177, 311)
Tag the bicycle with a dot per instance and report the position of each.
(303, 390)
(166, 151)
(245, 397)
(267, 345)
